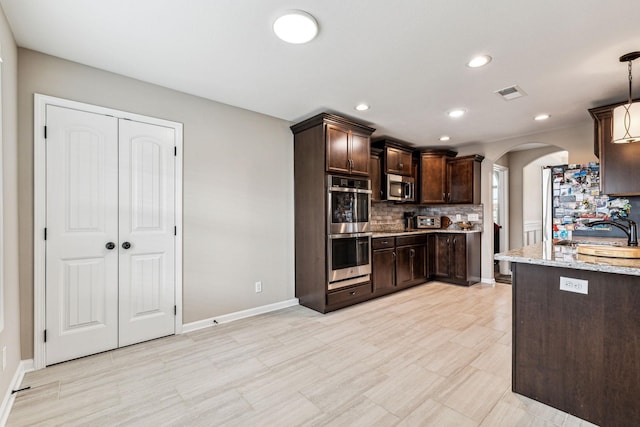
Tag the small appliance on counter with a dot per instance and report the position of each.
(428, 221)
(409, 220)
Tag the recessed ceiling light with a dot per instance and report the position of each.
(541, 117)
(362, 107)
(479, 61)
(458, 112)
(445, 138)
(296, 26)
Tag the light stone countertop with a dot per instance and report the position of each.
(423, 231)
(566, 256)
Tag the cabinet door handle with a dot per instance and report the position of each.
(412, 253)
(400, 166)
(394, 255)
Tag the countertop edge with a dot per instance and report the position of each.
(535, 255)
(417, 232)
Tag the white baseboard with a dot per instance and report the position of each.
(23, 367)
(226, 318)
(488, 280)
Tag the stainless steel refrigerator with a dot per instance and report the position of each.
(571, 196)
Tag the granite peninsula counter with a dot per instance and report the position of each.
(545, 253)
(576, 331)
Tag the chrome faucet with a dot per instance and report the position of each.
(631, 231)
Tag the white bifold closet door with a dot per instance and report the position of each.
(110, 254)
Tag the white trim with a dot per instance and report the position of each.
(2, 245)
(488, 280)
(503, 193)
(532, 232)
(39, 208)
(226, 318)
(7, 403)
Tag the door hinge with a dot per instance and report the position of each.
(45, 335)
(175, 230)
(45, 132)
(175, 151)
(175, 310)
(45, 233)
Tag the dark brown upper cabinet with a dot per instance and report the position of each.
(433, 176)
(463, 179)
(397, 156)
(347, 150)
(375, 173)
(619, 172)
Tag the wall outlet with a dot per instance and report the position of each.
(258, 287)
(473, 217)
(578, 286)
(4, 358)
(458, 217)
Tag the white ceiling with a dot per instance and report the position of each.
(406, 58)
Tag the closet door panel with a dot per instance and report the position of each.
(147, 221)
(82, 218)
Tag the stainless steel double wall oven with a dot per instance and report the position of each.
(348, 231)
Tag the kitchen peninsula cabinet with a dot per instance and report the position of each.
(576, 325)
(323, 144)
(457, 258)
(619, 172)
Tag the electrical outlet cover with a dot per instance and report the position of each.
(473, 217)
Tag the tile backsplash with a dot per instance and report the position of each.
(390, 215)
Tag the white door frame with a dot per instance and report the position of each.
(39, 209)
(503, 207)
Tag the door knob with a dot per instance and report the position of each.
(110, 245)
(126, 245)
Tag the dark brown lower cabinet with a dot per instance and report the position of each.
(457, 258)
(578, 352)
(383, 274)
(411, 264)
(348, 296)
(398, 262)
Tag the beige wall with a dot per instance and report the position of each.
(577, 140)
(238, 187)
(10, 335)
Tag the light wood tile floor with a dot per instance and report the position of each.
(434, 355)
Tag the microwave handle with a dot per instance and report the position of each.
(408, 191)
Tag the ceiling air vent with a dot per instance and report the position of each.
(511, 92)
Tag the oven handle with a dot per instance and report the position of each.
(349, 190)
(349, 235)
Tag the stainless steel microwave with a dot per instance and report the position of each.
(400, 188)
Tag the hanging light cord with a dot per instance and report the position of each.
(630, 79)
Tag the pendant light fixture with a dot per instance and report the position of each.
(626, 118)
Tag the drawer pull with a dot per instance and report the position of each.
(352, 293)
